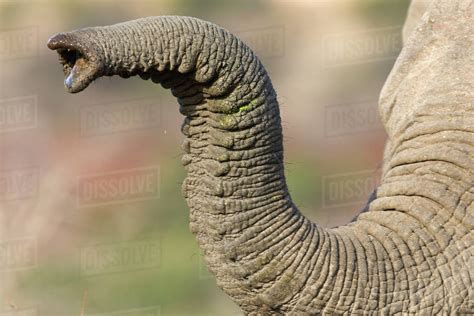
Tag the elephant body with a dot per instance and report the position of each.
(411, 252)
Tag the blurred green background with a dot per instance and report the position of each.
(328, 61)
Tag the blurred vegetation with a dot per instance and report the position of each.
(210, 7)
(382, 13)
(181, 285)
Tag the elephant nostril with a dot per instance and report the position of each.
(68, 58)
(68, 50)
(80, 62)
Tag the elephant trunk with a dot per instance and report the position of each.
(267, 256)
(253, 238)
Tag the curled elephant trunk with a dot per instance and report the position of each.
(265, 255)
(164, 49)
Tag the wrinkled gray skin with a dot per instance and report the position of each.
(415, 12)
(411, 252)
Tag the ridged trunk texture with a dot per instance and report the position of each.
(270, 259)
